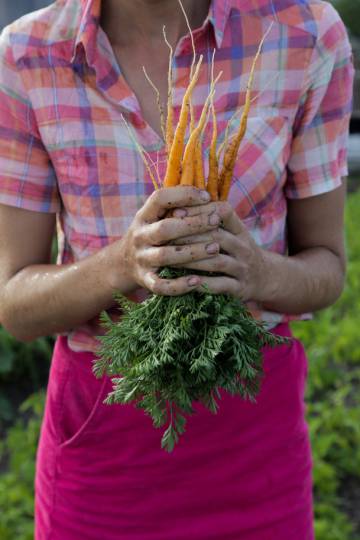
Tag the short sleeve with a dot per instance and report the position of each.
(318, 158)
(27, 177)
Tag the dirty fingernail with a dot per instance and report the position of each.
(205, 196)
(214, 219)
(180, 213)
(212, 248)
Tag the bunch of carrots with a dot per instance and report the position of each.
(185, 161)
(208, 341)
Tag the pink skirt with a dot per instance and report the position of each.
(243, 474)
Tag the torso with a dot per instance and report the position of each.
(131, 61)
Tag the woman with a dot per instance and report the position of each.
(68, 76)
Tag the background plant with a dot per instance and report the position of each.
(18, 452)
(333, 345)
(350, 13)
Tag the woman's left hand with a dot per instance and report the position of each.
(240, 259)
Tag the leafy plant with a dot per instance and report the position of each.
(332, 341)
(16, 484)
(350, 13)
(24, 369)
(172, 351)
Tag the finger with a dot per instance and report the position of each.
(170, 287)
(195, 210)
(221, 285)
(162, 232)
(177, 255)
(163, 199)
(228, 242)
(230, 220)
(222, 264)
(204, 238)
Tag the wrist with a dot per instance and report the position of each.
(116, 270)
(269, 277)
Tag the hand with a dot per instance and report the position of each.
(240, 259)
(145, 248)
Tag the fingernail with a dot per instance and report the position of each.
(214, 219)
(180, 213)
(205, 196)
(212, 248)
(193, 281)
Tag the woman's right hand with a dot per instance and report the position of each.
(146, 246)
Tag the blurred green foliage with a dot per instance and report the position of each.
(350, 14)
(332, 341)
(23, 370)
(333, 345)
(16, 483)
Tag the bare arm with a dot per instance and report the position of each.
(309, 279)
(38, 298)
(313, 276)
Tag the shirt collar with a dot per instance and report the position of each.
(89, 19)
(219, 14)
(86, 37)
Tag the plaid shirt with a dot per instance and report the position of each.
(64, 147)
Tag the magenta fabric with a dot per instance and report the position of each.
(243, 474)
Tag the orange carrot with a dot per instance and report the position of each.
(187, 176)
(169, 130)
(232, 150)
(173, 171)
(213, 179)
(199, 167)
(237, 112)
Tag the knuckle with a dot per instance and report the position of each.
(194, 254)
(179, 286)
(205, 224)
(222, 264)
(190, 240)
(158, 202)
(191, 194)
(196, 225)
(158, 232)
(226, 207)
(157, 288)
(138, 236)
(210, 208)
(140, 257)
(156, 197)
(216, 235)
(160, 256)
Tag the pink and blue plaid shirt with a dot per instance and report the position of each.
(64, 147)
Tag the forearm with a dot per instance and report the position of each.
(308, 281)
(46, 299)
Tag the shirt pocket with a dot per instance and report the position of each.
(101, 182)
(260, 168)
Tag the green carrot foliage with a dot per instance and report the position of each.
(168, 352)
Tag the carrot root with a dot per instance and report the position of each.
(173, 171)
(232, 150)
